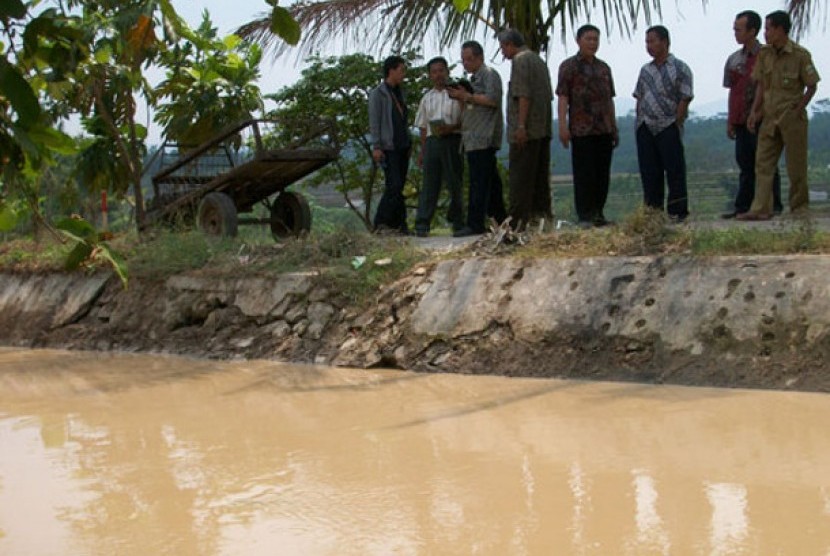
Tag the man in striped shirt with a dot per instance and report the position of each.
(663, 92)
(439, 119)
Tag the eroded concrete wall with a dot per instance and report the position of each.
(765, 320)
(687, 303)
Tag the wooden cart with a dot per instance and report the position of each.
(232, 172)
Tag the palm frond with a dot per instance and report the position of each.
(321, 22)
(804, 13)
(400, 25)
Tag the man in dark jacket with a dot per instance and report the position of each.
(391, 144)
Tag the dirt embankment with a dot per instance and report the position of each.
(733, 321)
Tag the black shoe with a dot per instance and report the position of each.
(600, 221)
(729, 215)
(466, 232)
(585, 224)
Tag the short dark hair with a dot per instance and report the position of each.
(587, 28)
(475, 46)
(391, 63)
(437, 60)
(753, 20)
(512, 36)
(661, 32)
(780, 18)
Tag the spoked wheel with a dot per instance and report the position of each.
(290, 215)
(217, 215)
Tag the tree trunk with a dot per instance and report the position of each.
(140, 215)
(128, 153)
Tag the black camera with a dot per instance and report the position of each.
(460, 84)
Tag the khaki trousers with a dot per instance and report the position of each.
(789, 132)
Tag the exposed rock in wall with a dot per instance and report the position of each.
(251, 317)
(724, 321)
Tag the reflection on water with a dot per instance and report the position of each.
(119, 454)
(650, 530)
(729, 521)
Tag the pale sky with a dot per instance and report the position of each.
(702, 37)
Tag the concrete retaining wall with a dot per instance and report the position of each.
(629, 318)
(684, 302)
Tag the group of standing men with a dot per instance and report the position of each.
(453, 119)
(769, 91)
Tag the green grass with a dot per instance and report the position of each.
(164, 253)
(357, 284)
(803, 238)
(254, 253)
(27, 254)
(331, 251)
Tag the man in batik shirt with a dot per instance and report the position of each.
(663, 93)
(588, 125)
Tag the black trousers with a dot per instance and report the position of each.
(591, 162)
(486, 196)
(442, 162)
(530, 182)
(661, 159)
(746, 143)
(391, 210)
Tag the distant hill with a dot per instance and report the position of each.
(707, 146)
(625, 106)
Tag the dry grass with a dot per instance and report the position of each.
(645, 232)
(649, 232)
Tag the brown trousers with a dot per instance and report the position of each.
(530, 196)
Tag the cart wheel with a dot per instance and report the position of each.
(290, 215)
(217, 215)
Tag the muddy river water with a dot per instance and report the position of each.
(136, 454)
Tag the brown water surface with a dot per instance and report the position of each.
(122, 454)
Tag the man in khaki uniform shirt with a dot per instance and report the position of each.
(787, 81)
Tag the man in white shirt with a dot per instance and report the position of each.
(439, 120)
